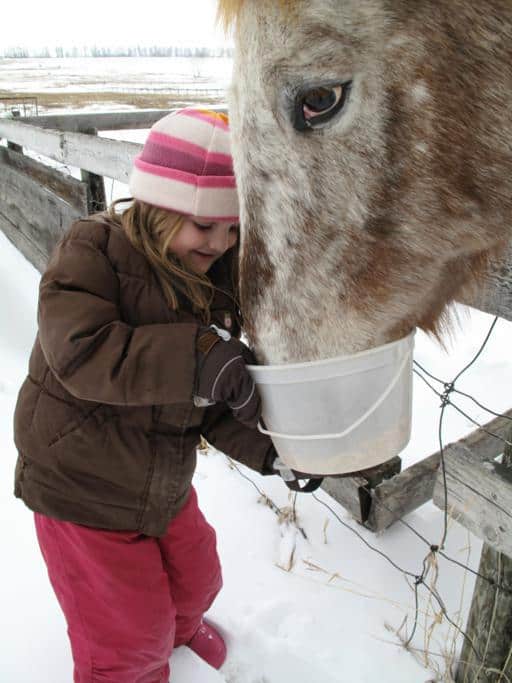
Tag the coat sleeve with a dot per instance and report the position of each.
(248, 446)
(91, 351)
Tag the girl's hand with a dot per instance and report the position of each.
(221, 375)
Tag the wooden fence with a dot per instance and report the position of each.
(37, 202)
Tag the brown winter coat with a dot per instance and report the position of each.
(105, 425)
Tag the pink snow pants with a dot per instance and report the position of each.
(129, 599)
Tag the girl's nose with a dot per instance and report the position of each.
(219, 239)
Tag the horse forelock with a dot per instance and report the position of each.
(229, 10)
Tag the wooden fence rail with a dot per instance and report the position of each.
(479, 487)
(141, 118)
(105, 157)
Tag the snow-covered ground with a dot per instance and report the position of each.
(331, 617)
(121, 74)
(61, 85)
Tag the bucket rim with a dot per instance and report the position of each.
(325, 361)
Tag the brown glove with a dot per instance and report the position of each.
(221, 375)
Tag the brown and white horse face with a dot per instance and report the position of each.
(373, 156)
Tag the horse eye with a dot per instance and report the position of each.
(318, 105)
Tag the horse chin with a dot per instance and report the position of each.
(281, 335)
(284, 328)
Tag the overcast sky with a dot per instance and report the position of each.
(37, 23)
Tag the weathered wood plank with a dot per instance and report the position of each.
(349, 492)
(12, 145)
(488, 649)
(79, 123)
(24, 243)
(482, 443)
(490, 623)
(36, 205)
(353, 493)
(479, 497)
(393, 499)
(102, 156)
(112, 120)
(96, 196)
(67, 188)
(396, 497)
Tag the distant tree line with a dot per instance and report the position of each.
(125, 51)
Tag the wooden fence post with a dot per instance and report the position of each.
(489, 626)
(13, 145)
(96, 197)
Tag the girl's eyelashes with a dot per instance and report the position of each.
(206, 226)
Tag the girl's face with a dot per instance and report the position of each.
(199, 243)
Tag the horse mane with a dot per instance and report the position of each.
(228, 10)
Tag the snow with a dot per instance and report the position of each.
(332, 617)
(114, 74)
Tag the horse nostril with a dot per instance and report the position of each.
(315, 106)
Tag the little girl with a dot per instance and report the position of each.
(131, 365)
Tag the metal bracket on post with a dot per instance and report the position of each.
(355, 492)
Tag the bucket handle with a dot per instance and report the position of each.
(365, 416)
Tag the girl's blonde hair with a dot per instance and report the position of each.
(150, 230)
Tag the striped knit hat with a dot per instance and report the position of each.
(186, 166)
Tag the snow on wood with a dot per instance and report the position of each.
(102, 156)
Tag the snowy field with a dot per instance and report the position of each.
(122, 74)
(332, 617)
(117, 83)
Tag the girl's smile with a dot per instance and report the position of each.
(199, 243)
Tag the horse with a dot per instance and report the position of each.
(372, 144)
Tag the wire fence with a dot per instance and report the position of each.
(419, 578)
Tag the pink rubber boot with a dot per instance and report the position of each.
(208, 644)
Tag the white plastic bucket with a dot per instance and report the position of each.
(341, 414)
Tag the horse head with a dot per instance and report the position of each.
(373, 151)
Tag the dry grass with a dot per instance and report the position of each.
(78, 100)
